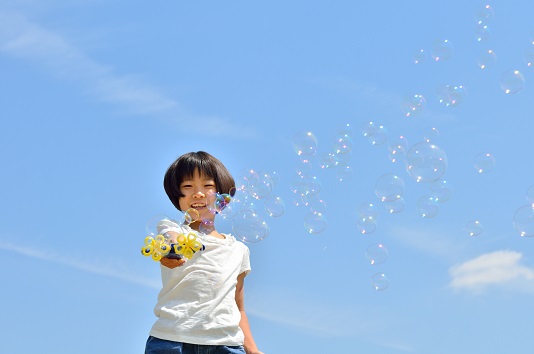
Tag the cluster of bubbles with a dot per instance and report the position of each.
(306, 185)
(512, 81)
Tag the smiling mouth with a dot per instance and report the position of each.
(198, 205)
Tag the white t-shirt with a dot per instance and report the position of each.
(197, 301)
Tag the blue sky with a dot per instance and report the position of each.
(99, 97)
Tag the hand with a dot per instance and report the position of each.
(172, 262)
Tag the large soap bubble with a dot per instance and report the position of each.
(426, 162)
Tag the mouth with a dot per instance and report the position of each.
(198, 205)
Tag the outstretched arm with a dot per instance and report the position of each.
(250, 345)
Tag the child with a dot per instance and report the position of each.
(200, 307)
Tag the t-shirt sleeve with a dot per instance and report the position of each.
(245, 264)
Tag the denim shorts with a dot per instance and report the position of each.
(161, 346)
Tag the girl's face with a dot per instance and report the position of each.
(198, 191)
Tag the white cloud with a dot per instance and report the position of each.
(90, 266)
(499, 268)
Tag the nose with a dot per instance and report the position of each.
(198, 194)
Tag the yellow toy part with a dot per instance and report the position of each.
(187, 245)
(156, 247)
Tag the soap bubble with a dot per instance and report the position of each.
(431, 135)
(484, 14)
(442, 49)
(366, 224)
(529, 55)
(389, 187)
(451, 96)
(329, 160)
(248, 226)
(379, 281)
(523, 220)
(395, 207)
(484, 163)
(367, 210)
(512, 82)
(473, 228)
(190, 216)
(426, 162)
(260, 184)
(397, 149)
(305, 143)
(482, 32)
(413, 105)
(159, 223)
(343, 144)
(419, 56)
(486, 59)
(376, 253)
(376, 134)
(441, 190)
(274, 206)
(343, 173)
(315, 223)
(427, 206)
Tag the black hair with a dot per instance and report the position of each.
(184, 167)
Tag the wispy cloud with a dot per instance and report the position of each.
(25, 39)
(500, 268)
(435, 243)
(90, 266)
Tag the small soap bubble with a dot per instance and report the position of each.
(484, 14)
(473, 228)
(260, 184)
(274, 206)
(248, 226)
(484, 163)
(529, 55)
(306, 185)
(441, 190)
(419, 56)
(389, 187)
(346, 129)
(376, 134)
(523, 220)
(344, 173)
(397, 149)
(206, 226)
(315, 223)
(190, 216)
(426, 162)
(427, 206)
(442, 49)
(451, 96)
(316, 204)
(157, 223)
(376, 253)
(512, 82)
(486, 59)
(413, 105)
(482, 32)
(305, 143)
(367, 210)
(431, 135)
(328, 160)
(343, 144)
(379, 281)
(395, 206)
(366, 224)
